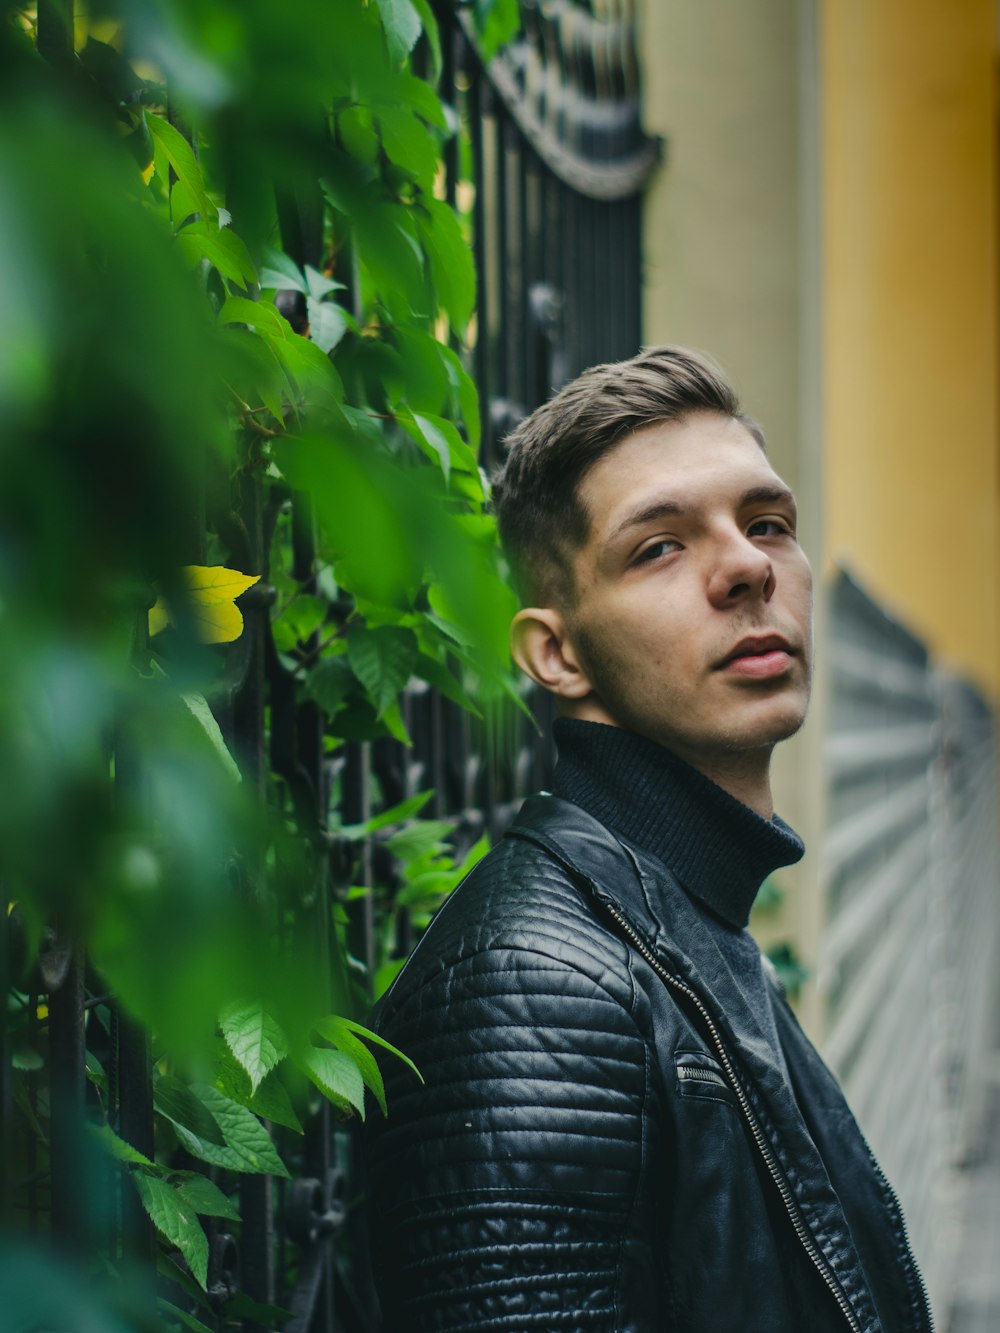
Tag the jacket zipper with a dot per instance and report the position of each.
(914, 1267)
(690, 1074)
(791, 1207)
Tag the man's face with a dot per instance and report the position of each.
(694, 608)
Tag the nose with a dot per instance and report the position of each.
(741, 572)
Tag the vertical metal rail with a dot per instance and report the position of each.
(66, 1092)
(64, 978)
(6, 1070)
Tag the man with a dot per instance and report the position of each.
(621, 1126)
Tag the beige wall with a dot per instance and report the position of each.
(722, 226)
(731, 263)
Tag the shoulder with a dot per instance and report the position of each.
(520, 923)
(519, 1010)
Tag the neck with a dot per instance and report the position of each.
(746, 776)
(718, 847)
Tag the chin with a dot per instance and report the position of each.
(778, 725)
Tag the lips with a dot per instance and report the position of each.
(758, 656)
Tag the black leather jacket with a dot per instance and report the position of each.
(605, 1138)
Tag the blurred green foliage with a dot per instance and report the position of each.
(160, 164)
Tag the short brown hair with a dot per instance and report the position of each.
(536, 493)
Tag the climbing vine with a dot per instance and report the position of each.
(174, 358)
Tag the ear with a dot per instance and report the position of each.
(541, 647)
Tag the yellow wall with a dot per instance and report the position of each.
(909, 296)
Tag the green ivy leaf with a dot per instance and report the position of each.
(357, 133)
(430, 25)
(271, 1100)
(299, 620)
(255, 1039)
(311, 370)
(438, 675)
(203, 1195)
(248, 1145)
(474, 855)
(330, 681)
(452, 268)
(25, 1057)
(395, 815)
(209, 731)
(118, 1148)
(221, 247)
(282, 273)
(336, 1075)
(443, 441)
(401, 22)
(181, 157)
(327, 323)
(466, 395)
(393, 719)
(342, 1036)
(386, 975)
(339, 1030)
(110, 70)
(175, 1220)
(384, 232)
(420, 837)
(175, 1312)
(261, 378)
(178, 1103)
(319, 286)
(262, 316)
(497, 22)
(382, 659)
(420, 95)
(407, 143)
(168, 1268)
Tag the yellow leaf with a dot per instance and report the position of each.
(215, 583)
(217, 622)
(211, 594)
(159, 616)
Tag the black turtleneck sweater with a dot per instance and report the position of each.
(720, 850)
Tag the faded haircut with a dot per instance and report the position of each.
(536, 493)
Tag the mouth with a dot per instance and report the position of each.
(758, 657)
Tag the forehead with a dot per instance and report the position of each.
(705, 460)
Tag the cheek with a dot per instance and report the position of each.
(798, 581)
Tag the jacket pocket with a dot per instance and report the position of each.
(700, 1075)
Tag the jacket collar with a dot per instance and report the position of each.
(718, 849)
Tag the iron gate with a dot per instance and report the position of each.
(558, 164)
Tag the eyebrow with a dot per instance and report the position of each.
(667, 508)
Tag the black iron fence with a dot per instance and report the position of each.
(550, 187)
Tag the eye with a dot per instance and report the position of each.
(768, 527)
(665, 546)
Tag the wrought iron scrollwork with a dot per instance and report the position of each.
(570, 83)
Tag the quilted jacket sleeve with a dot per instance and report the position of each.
(505, 1190)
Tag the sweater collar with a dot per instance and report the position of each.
(719, 849)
